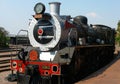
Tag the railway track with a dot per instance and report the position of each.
(5, 56)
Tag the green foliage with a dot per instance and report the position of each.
(118, 33)
(118, 26)
(4, 40)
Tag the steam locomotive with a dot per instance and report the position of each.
(64, 49)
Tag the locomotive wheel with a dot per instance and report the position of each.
(77, 65)
(74, 68)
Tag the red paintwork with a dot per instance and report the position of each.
(68, 25)
(40, 31)
(43, 72)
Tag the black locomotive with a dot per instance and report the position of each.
(64, 49)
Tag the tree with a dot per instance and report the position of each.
(118, 33)
(4, 39)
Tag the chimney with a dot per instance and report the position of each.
(55, 8)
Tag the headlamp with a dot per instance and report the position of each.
(39, 8)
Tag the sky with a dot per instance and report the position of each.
(16, 14)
